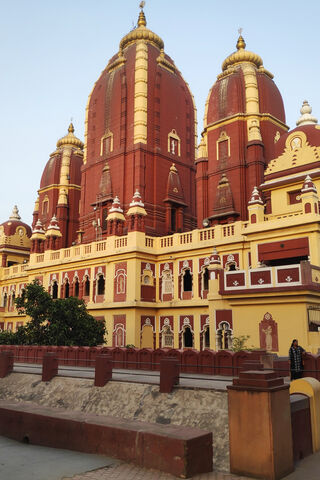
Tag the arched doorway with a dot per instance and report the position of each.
(187, 337)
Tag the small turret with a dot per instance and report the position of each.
(115, 218)
(255, 207)
(309, 196)
(136, 214)
(38, 238)
(53, 235)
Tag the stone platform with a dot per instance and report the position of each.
(179, 450)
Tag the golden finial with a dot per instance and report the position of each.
(142, 19)
(71, 128)
(241, 44)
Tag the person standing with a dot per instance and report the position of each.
(296, 360)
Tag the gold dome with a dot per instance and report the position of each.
(242, 55)
(141, 33)
(70, 139)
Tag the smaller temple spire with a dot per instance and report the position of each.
(215, 257)
(306, 117)
(137, 200)
(15, 214)
(116, 207)
(308, 185)
(38, 228)
(142, 19)
(53, 225)
(255, 197)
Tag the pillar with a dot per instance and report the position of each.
(260, 426)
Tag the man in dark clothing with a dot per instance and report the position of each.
(296, 363)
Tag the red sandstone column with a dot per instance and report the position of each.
(49, 366)
(260, 426)
(6, 363)
(4, 260)
(103, 370)
(169, 374)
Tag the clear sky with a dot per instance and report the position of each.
(52, 52)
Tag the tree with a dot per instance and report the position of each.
(36, 303)
(71, 324)
(55, 322)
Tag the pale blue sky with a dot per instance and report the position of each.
(52, 52)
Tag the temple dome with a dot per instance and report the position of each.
(242, 55)
(52, 170)
(70, 139)
(228, 96)
(14, 225)
(141, 33)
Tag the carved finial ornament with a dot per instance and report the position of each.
(241, 44)
(15, 214)
(306, 117)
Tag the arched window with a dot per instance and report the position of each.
(224, 336)
(87, 286)
(187, 337)
(100, 285)
(205, 279)
(5, 300)
(119, 335)
(173, 219)
(167, 339)
(55, 289)
(187, 281)
(167, 283)
(76, 288)
(206, 338)
(121, 281)
(66, 288)
(45, 206)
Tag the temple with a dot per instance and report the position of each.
(171, 243)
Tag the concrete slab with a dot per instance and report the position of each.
(20, 461)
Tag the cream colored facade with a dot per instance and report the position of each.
(288, 305)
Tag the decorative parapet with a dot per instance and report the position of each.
(281, 277)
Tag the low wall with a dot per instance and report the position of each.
(203, 409)
(207, 361)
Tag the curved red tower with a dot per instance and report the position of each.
(140, 119)
(59, 193)
(244, 116)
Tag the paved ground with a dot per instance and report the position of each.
(20, 461)
(307, 469)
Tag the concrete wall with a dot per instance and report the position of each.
(205, 409)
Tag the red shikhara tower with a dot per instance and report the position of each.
(59, 194)
(140, 120)
(140, 138)
(244, 117)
